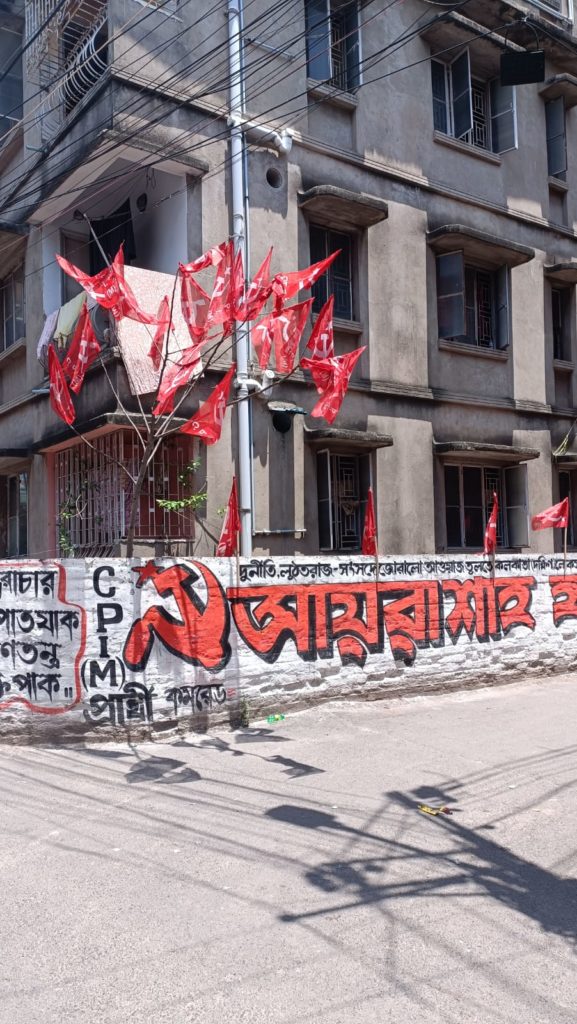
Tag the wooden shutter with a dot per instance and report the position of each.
(517, 506)
(556, 141)
(318, 26)
(503, 308)
(503, 117)
(439, 86)
(462, 102)
(325, 501)
(451, 294)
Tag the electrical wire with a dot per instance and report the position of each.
(400, 41)
(194, 128)
(135, 102)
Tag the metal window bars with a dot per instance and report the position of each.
(69, 55)
(94, 494)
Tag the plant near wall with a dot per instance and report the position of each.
(212, 319)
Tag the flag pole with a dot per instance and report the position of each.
(565, 550)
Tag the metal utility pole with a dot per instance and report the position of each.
(236, 98)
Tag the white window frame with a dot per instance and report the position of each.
(449, 108)
(506, 510)
(330, 454)
(329, 5)
(543, 6)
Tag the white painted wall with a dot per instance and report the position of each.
(104, 645)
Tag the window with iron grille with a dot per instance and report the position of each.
(561, 322)
(338, 280)
(332, 37)
(472, 302)
(94, 493)
(343, 482)
(474, 111)
(11, 81)
(13, 326)
(469, 500)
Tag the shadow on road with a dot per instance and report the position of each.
(465, 861)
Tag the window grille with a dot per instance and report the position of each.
(469, 501)
(338, 280)
(94, 494)
(343, 483)
(12, 311)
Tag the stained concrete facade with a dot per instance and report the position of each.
(366, 160)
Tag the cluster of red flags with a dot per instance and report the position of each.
(83, 350)
(281, 331)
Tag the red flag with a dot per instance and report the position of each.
(211, 258)
(490, 544)
(321, 342)
(257, 292)
(369, 543)
(207, 422)
(163, 325)
(177, 376)
(60, 399)
(287, 327)
(194, 303)
(331, 377)
(555, 517)
(237, 283)
(261, 337)
(220, 310)
(109, 289)
(82, 352)
(285, 286)
(228, 542)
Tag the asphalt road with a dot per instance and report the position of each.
(284, 874)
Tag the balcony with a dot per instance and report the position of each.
(68, 57)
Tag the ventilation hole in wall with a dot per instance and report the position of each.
(274, 177)
(282, 421)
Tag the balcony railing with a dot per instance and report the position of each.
(68, 56)
(562, 8)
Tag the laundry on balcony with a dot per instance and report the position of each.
(46, 337)
(67, 318)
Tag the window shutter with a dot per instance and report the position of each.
(325, 501)
(352, 46)
(462, 99)
(439, 85)
(318, 26)
(503, 118)
(503, 311)
(451, 294)
(556, 142)
(517, 506)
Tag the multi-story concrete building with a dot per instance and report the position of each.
(452, 197)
